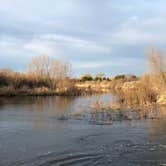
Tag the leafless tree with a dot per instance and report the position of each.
(44, 66)
(157, 62)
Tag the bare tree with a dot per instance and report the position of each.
(60, 70)
(44, 66)
(157, 62)
(40, 65)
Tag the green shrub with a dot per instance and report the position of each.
(86, 77)
(122, 76)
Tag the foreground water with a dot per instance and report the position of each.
(58, 131)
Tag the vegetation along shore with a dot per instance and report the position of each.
(47, 76)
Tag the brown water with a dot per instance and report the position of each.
(63, 131)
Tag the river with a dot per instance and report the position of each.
(48, 131)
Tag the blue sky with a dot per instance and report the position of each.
(108, 36)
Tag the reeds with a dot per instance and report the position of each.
(148, 88)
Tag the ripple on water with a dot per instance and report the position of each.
(120, 152)
(65, 160)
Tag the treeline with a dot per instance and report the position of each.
(44, 76)
(48, 76)
(102, 77)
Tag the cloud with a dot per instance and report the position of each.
(10, 46)
(105, 35)
(76, 43)
(113, 67)
(37, 47)
(136, 31)
(63, 46)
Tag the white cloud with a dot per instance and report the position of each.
(87, 65)
(76, 43)
(10, 46)
(63, 46)
(37, 47)
(136, 31)
(113, 62)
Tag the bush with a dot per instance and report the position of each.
(86, 77)
(99, 77)
(122, 76)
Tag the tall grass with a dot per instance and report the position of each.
(149, 86)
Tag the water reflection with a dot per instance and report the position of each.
(38, 110)
(157, 129)
(41, 112)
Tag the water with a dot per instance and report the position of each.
(64, 131)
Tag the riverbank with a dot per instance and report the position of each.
(149, 89)
(42, 91)
(138, 91)
(131, 91)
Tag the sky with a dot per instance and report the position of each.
(108, 36)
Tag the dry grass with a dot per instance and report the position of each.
(42, 79)
(137, 92)
(15, 84)
(149, 86)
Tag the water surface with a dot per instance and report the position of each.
(41, 131)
